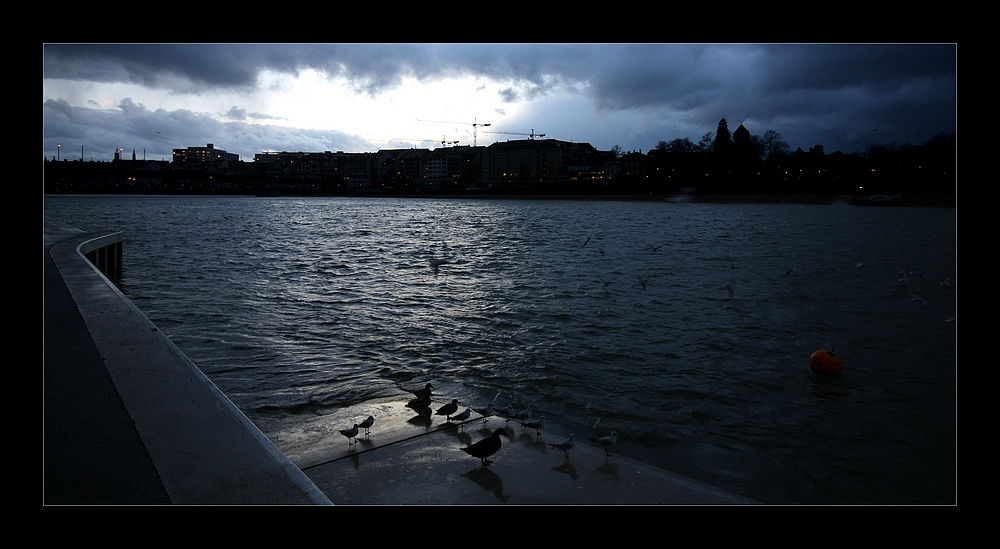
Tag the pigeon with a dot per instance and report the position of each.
(606, 442)
(564, 446)
(367, 424)
(535, 424)
(448, 409)
(486, 447)
(350, 433)
(464, 415)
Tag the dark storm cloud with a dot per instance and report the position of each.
(809, 93)
(133, 126)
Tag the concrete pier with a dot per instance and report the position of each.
(130, 420)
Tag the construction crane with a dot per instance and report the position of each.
(475, 124)
(531, 135)
(444, 142)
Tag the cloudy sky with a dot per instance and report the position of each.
(252, 98)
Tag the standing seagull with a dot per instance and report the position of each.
(523, 415)
(606, 442)
(367, 424)
(448, 409)
(486, 447)
(350, 433)
(564, 446)
(485, 412)
(535, 424)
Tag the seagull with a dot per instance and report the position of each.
(367, 424)
(350, 433)
(523, 415)
(486, 447)
(535, 424)
(464, 415)
(585, 242)
(946, 283)
(606, 442)
(485, 412)
(914, 297)
(912, 272)
(564, 446)
(507, 412)
(448, 409)
(902, 277)
(859, 266)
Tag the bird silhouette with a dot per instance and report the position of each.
(448, 409)
(420, 405)
(350, 433)
(486, 447)
(606, 442)
(423, 393)
(367, 424)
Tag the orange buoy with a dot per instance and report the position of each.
(826, 362)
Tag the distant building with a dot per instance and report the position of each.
(203, 155)
(530, 162)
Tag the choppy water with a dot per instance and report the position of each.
(295, 307)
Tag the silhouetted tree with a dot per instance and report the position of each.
(723, 139)
(707, 143)
(774, 145)
(617, 151)
(679, 146)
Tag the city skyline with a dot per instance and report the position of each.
(252, 98)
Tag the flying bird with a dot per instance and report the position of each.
(606, 442)
(436, 264)
(914, 297)
(367, 424)
(565, 446)
(350, 433)
(448, 409)
(486, 447)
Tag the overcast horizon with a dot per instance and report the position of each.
(252, 98)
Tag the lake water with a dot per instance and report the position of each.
(686, 328)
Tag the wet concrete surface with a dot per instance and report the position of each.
(417, 460)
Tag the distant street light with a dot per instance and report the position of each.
(58, 150)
